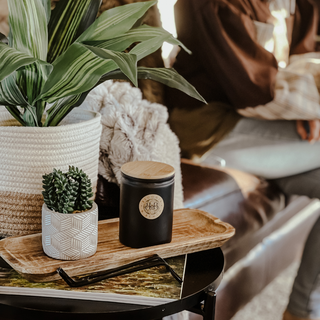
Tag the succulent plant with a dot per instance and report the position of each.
(67, 192)
(84, 188)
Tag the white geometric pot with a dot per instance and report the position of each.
(69, 236)
(27, 153)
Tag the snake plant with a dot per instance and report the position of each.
(67, 192)
(57, 57)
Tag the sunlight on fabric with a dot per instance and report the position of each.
(282, 64)
(167, 19)
(269, 45)
(281, 49)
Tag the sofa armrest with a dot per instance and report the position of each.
(241, 199)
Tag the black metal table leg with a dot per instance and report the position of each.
(209, 306)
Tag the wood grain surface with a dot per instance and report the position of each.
(147, 170)
(193, 230)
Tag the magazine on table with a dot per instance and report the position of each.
(151, 286)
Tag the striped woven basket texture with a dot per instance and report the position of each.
(27, 153)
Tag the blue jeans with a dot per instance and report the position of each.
(274, 150)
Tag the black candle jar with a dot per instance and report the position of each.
(146, 203)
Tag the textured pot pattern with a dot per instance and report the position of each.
(27, 153)
(69, 236)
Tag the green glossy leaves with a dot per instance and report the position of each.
(167, 76)
(145, 35)
(11, 60)
(58, 57)
(81, 67)
(68, 20)
(171, 78)
(28, 27)
(10, 93)
(60, 109)
(47, 9)
(114, 22)
(29, 41)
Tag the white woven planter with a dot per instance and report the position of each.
(26, 153)
(69, 236)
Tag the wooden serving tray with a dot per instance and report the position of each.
(193, 230)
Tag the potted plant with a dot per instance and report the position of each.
(48, 65)
(69, 217)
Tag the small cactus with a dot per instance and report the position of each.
(67, 192)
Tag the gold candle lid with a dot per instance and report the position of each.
(147, 170)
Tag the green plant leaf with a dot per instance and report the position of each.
(40, 107)
(60, 109)
(28, 35)
(139, 34)
(16, 114)
(77, 71)
(116, 21)
(12, 59)
(10, 93)
(80, 61)
(139, 22)
(31, 79)
(171, 78)
(127, 62)
(28, 27)
(89, 16)
(11, 97)
(47, 8)
(68, 20)
(30, 117)
(167, 76)
(82, 98)
(147, 47)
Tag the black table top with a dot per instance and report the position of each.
(204, 272)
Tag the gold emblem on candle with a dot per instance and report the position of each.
(151, 206)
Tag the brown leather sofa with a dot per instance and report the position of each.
(270, 228)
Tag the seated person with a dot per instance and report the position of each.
(254, 61)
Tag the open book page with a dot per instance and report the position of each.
(151, 286)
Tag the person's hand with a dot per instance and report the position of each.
(313, 134)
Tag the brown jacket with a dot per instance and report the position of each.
(227, 64)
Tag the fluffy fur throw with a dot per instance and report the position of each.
(133, 129)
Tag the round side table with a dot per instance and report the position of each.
(204, 271)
